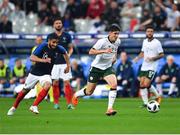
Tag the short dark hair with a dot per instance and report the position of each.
(57, 19)
(114, 27)
(52, 36)
(149, 27)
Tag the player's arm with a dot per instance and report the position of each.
(71, 49)
(137, 58)
(157, 57)
(93, 51)
(35, 58)
(66, 57)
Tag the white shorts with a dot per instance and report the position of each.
(32, 80)
(58, 72)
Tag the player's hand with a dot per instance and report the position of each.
(109, 50)
(149, 59)
(67, 69)
(47, 60)
(135, 60)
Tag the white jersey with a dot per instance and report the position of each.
(151, 49)
(104, 60)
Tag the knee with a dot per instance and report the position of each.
(66, 82)
(144, 85)
(47, 85)
(173, 80)
(55, 83)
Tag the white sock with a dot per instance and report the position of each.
(80, 93)
(154, 91)
(1, 87)
(172, 88)
(112, 97)
(159, 88)
(144, 95)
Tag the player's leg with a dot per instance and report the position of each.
(93, 78)
(55, 75)
(172, 86)
(112, 82)
(45, 82)
(143, 91)
(29, 84)
(88, 90)
(159, 85)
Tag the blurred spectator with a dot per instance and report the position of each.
(71, 9)
(54, 13)
(31, 6)
(147, 5)
(6, 7)
(112, 15)
(19, 73)
(158, 19)
(78, 75)
(43, 14)
(82, 9)
(38, 41)
(145, 20)
(173, 16)
(125, 76)
(96, 9)
(17, 14)
(127, 13)
(4, 75)
(68, 22)
(5, 24)
(168, 73)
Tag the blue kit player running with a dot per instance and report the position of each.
(44, 56)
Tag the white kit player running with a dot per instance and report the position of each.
(151, 51)
(106, 51)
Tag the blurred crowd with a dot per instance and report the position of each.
(89, 16)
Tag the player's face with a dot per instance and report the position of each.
(149, 33)
(113, 35)
(58, 25)
(53, 43)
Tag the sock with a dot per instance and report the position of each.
(172, 88)
(112, 97)
(144, 95)
(56, 94)
(40, 97)
(154, 91)
(159, 88)
(80, 93)
(68, 93)
(19, 98)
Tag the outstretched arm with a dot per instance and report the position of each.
(95, 52)
(34, 58)
(141, 55)
(160, 4)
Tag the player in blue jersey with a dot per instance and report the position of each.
(60, 64)
(44, 56)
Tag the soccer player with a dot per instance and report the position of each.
(64, 39)
(105, 50)
(44, 56)
(151, 51)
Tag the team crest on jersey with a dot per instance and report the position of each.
(64, 39)
(45, 55)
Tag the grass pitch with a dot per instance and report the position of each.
(89, 117)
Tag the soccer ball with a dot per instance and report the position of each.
(153, 106)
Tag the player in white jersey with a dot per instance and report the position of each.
(105, 50)
(151, 51)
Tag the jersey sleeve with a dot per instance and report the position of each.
(98, 44)
(39, 49)
(142, 49)
(160, 49)
(62, 50)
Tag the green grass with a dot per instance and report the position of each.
(89, 117)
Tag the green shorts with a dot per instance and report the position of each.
(149, 74)
(96, 74)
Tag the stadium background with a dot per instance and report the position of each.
(28, 19)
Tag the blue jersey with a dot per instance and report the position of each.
(64, 40)
(43, 51)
